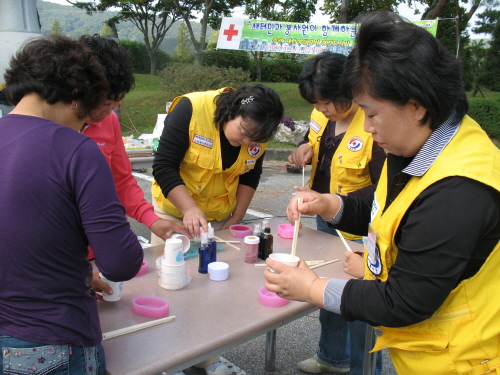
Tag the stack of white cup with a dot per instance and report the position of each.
(171, 266)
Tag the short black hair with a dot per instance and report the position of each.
(117, 63)
(59, 69)
(398, 61)
(321, 79)
(258, 104)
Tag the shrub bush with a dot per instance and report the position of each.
(190, 78)
(224, 58)
(140, 57)
(487, 113)
(279, 70)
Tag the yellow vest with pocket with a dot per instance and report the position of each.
(212, 188)
(350, 163)
(463, 335)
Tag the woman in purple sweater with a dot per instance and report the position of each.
(57, 197)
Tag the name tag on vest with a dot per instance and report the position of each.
(314, 126)
(202, 141)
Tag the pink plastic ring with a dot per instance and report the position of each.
(285, 230)
(143, 269)
(151, 307)
(240, 231)
(270, 299)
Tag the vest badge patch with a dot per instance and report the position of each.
(373, 260)
(314, 126)
(254, 149)
(355, 144)
(203, 141)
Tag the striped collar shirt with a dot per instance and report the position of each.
(433, 147)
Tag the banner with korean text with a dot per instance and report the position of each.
(291, 37)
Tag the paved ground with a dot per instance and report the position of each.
(295, 341)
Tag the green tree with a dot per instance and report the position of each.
(212, 12)
(152, 17)
(478, 54)
(277, 10)
(490, 76)
(184, 47)
(345, 11)
(56, 28)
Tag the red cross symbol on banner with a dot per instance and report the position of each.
(230, 32)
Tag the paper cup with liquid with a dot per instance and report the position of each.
(173, 254)
(117, 287)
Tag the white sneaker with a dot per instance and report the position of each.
(218, 368)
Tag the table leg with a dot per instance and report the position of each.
(370, 359)
(270, 350)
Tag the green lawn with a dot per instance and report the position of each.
(147, 99)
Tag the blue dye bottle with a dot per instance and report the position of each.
(203, 254)
(212, 245)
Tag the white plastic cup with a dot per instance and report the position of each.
(117, 287)
(285, 258)
(186, 242)
(173, 254)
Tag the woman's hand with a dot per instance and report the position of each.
(100, 286)
(296, 283)
(231, 220)
(353, 264)
(162, 226)
(313, 203)
(302, 155)
(194, 218)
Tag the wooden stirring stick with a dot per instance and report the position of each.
(324, 264)
(296, 230)
(137, 327)
(343, 240)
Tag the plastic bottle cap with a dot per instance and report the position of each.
(204, 239)
(251, 240)
(267, 230)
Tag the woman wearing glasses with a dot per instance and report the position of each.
(346, 161)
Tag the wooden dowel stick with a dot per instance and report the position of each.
(343, 240)
(296, 230)
(230, 244)
(324, 264)
(308, 262)
(137, 327)
(303, 177)
(222, 241)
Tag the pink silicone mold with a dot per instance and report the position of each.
(143, 269)
(270, 299)
(151, 307)
(285, 230)
(240, 231)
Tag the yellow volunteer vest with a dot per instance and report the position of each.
(349, 169)
(213, 189)
(465, 330)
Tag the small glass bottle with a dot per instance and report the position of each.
(212, 245)
(267, 244)
(251, 248)
(204, 254)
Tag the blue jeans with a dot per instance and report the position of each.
(342, 343)
(22, 357)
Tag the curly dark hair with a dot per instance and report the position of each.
(397, 61)
(59, 69)
(265, 110)
(321, 79)
(117, 62)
